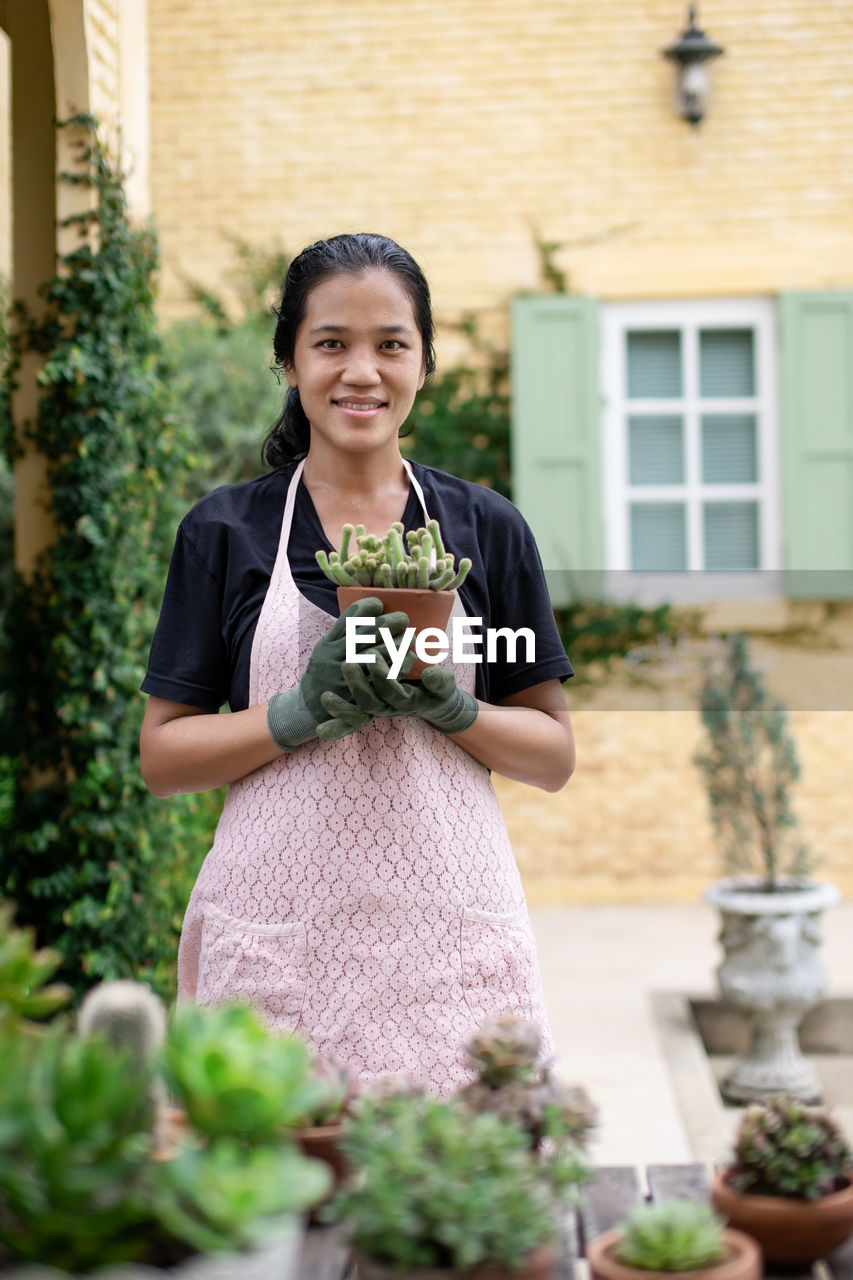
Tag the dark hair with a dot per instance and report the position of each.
(290, 435)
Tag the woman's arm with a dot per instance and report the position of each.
(182, 748)
(527, 736)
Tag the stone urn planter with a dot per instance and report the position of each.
(770, 908)
(771, 971)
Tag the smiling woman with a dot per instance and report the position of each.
(361, 886)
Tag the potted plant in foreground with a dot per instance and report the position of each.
(790, 1184)
(440, 1192)
(410, 571)
(85, 1180)
(512, 1083)
(673, 1237)
(770, 909)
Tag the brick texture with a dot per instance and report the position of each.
(454, 125)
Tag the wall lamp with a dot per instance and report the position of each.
(692, 51)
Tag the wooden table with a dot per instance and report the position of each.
(606, 1201)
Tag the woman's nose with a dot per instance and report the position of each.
(361, 369)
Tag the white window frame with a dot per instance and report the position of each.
(689, 316)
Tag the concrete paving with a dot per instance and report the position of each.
(606, 972)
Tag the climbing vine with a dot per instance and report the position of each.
(85, 850)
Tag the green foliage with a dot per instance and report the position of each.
(671, 1235)
(25, 995)
(512, 1083)
(749, 763)
(86, 851)
(461, 417)
(784, 1148)
(82, 1183)
(234, 1078)
(597, 632)
(438, 1186)
(386, 562)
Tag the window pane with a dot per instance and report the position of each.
(658, 536)
(731, 535)
(656, 450)
(726, 362)
(654, 364)
(729, 454)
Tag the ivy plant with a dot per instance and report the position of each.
(85, 850)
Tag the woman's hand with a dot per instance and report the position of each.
(438, 700)
(295, 717)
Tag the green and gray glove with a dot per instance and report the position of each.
(295, 717)
(438, 700)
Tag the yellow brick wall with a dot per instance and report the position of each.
(102, 39)
(454, 125)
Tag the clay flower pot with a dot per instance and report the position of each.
(741, 1261)
(538, 1266)
(790, 1232)
(424, 608)
(322, 1142)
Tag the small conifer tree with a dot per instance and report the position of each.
(749, 762)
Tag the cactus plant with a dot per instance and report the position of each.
(671, 1235)
(420, 561)
(513, 1084)
(784, 1148)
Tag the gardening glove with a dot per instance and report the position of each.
(438, 700)
(294, 717)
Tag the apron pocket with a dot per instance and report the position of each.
(500, 973)
(265, 964)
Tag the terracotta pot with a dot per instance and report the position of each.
(539, 1266)
(423, 608)
(790, 1232)
(742, 1260)
(322, 1142)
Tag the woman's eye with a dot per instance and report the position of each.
(392, 345)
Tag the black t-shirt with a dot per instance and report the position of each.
(223, 560)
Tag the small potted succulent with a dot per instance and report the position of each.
(87, 1181)
(512, 1083)
(319, 1128)
(411, 572)
(440, 1192)
(770, 908)
(673, 1237)
(790, 1184)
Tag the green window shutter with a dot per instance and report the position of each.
(556, 437)
(816, 362)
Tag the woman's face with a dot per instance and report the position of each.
(358, 361)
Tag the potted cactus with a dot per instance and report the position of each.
(410, 571)
(673, 1237)
(87, 1181)
(790, 1184)
(512, 1083)
(769, 906)
(441, 1192)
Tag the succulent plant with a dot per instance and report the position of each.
(332, 1088)
(235, 1078)
(421, 561)
(785, 1148)
(671, 1235)
(440, 1187)
(513, 1084)
(82, 1183)
(26, 998)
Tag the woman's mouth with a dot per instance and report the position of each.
(360, 406)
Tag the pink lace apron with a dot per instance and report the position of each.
(363, 891)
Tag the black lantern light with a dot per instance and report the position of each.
(692, 51)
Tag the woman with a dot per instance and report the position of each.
(361, 886)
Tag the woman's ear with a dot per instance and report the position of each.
(422, 378)
(290, 374)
